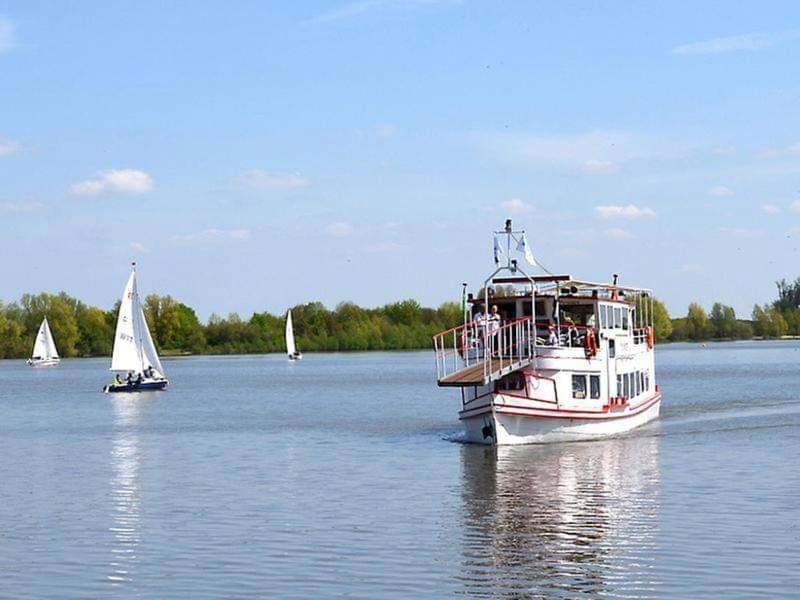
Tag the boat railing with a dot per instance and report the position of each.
(497, 347)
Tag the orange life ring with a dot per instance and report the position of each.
(590, 343)
(650, 337)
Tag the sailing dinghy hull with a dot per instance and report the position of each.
(146, 385)
(43, 362)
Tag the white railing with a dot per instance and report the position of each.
(497, 348)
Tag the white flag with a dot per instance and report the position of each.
(522, 246)
(498, 250)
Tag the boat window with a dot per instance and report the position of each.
(617, 317)
(626, 386)
(647, 380)
(625, 318)
(612, 349)
(512, 382)
(619, 385)
(602, 311)
(594, 386)
(608, 317)
(638, 382)
(579, 386)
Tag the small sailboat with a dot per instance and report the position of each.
(44, 349)
(291, 349)
(134, 351)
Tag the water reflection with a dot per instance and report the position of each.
(561, 520)
(125, 497)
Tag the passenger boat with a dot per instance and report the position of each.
(44, 348)
(291, 348)
(134, 351)
(558, 359)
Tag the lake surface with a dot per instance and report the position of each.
(343, 476)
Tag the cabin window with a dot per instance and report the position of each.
(625, 319)
(626, 386)
(617, 318)
(619, 385)
(612, 349)
(602, 310)
(638, 381)
(579, 386)
(513, 382)
(594, 386)
(647, 380)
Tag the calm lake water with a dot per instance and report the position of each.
(343, 475)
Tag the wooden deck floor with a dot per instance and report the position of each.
(473, 375)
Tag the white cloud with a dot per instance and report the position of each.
(739, 232)
(6, 35)
(593, 152)
(115, 181)
(617, 233)
(516, 206)
(720, 191)
(631, 211)
(770, 209)
(692, 269)
(213, 234)
(359, 7)
(795, 206)
(735, 43)
(386, 130)
(259, 178)
(339, 229)
(794, 148)
(8, 146)
(385, 248)
(138, 247)
(601, 167)
(19, 207)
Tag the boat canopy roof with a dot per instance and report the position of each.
(566, 287)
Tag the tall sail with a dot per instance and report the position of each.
(133, 347)
(290, 347)
(50, 344)
(44, 347)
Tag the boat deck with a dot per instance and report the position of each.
(479, 374)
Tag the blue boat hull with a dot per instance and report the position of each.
(144, 386)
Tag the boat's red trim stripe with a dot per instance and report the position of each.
(526, 411)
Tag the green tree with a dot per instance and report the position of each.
(662, 324)
(723, 321)
(696, 323)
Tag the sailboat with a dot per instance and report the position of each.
(134, 351)
(44, 349)
(291, 349)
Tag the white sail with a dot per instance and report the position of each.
(290, 347)
(133, 347)
(44, 347)
(50, 344)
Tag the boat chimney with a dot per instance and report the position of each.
(615, 278)
(508, 225)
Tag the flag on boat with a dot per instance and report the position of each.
(498, 250)
(522, 246)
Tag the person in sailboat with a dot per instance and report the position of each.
(117, 379)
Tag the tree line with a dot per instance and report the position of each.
(82, 330)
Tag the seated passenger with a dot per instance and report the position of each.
(552, 338)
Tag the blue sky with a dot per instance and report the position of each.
(255, 155)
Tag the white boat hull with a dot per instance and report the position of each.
(500, 426)
(43, 362)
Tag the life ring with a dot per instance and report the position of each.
(651, 341)
(590, 343)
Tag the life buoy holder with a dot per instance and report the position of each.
(590, 343)
(651, 341)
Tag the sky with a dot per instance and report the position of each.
(251, 156)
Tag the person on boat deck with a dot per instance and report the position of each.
(572, 332)
(552, 338)
(148, 372)
(129, 378)
(493, 320)
(117, 379)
